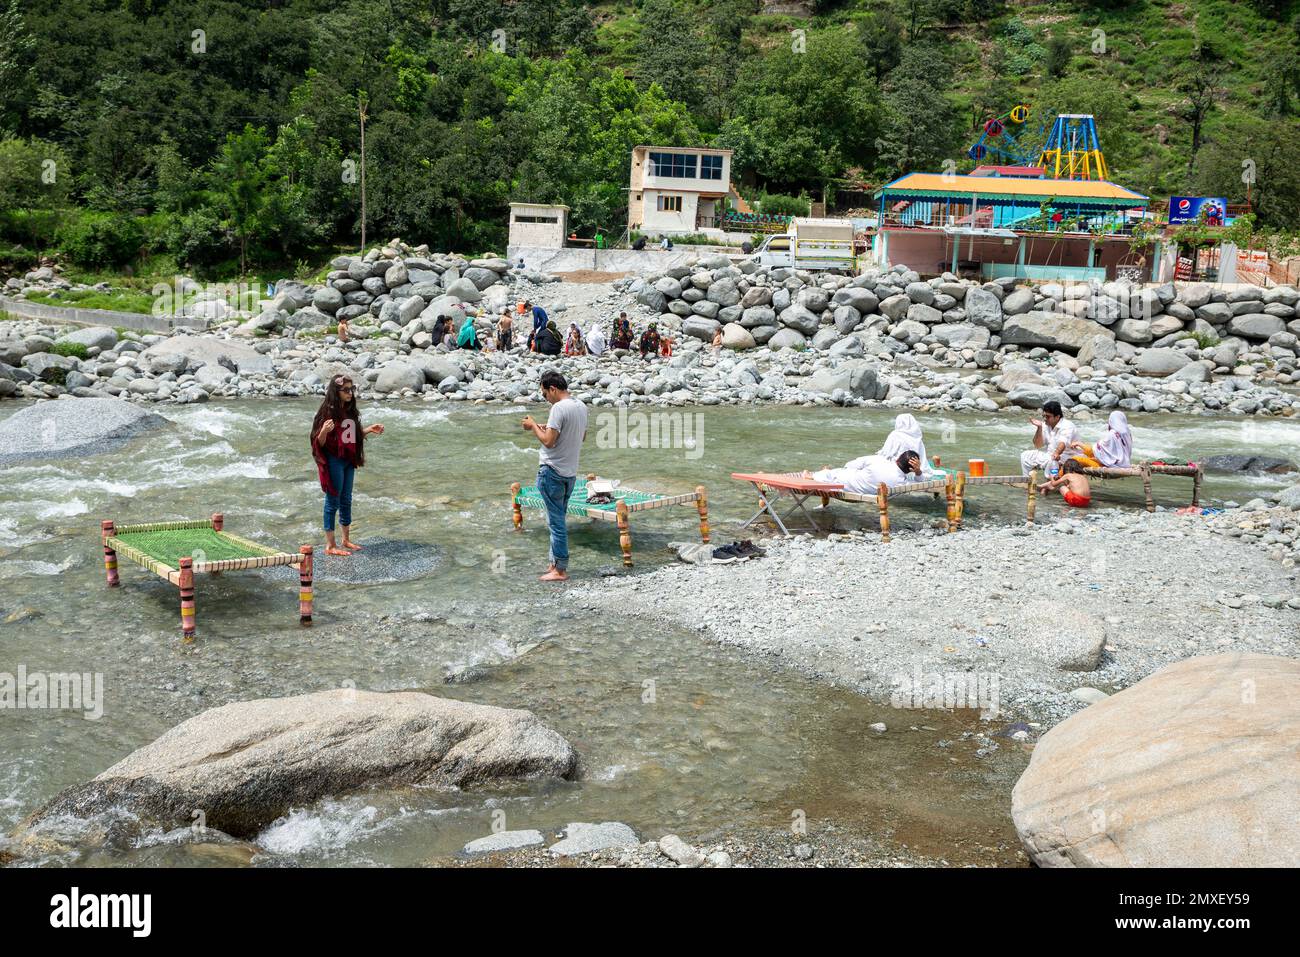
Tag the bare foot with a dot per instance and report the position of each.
(554, 575)
(341, 552)
(352, 545)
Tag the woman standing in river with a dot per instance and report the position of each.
(338, 446)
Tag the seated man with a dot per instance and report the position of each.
(1053, 435)
(865, 475)
(1073, 485)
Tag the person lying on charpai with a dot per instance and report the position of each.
(865, 475)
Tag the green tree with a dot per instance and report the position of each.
(34, 174)
(1269, 150)
(241, 181)
(882, 42)
(17, 47)
(919, 119)
(670, 52)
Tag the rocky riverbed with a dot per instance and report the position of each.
(789, 337)
(1032, 623)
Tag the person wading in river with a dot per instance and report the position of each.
(338, 446)
(561, 439)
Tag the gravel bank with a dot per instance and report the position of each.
(825, 845)
(1018, 618)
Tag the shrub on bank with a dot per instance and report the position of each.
(101, 239)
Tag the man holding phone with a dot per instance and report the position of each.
(561, 438)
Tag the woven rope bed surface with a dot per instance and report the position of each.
(530, 497)
(169, 546)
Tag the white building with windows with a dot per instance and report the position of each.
(676, 191)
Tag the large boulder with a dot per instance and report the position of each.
(1161, 362)
(72, 428)
(859, 378)
(1047, 329)
(246, 764)
(736, 336)
(1194, 766)
(800, 319)
(398, 375)
(207, 350)
(101, 337)
(698, 327)
(786, 339)
(1255, 325)
(465, 290)
(984, 308)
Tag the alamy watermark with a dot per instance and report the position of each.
(651, 430)
(938, 689)
(53, 691)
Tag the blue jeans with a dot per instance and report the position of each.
(555, 490)
(341, 475)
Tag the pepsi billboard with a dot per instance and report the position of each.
(1187, 209)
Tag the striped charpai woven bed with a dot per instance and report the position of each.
(637, 501)
(160, 546)
(174, 551)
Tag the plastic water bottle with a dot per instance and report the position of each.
(1053, 469)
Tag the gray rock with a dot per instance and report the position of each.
(248, 763)
(1161, 362)
(398, 375)
(504, 841)
(983, 308)
(1048, 330)
(679, 852)
(1183, 769)
(786, 339)
(1255, 325)
(327, 300)
(72, 428)
(101, 337)
(586, 838)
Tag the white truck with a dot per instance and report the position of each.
(816, 244)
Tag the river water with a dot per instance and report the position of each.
(675, 733)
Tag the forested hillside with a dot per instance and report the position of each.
(221, 133)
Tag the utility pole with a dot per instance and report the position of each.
(361, 100)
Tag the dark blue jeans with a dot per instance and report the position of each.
(341, 475)
(555, 490)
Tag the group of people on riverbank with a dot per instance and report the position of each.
(338, 448)
(545, 338)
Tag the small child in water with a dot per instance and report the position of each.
(1073, 485)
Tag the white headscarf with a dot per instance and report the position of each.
(1115, 448)
(906, 437)
(596, 343)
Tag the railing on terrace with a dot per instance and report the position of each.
(754, 222)
(984, 219)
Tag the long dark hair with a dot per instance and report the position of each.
(333, 407)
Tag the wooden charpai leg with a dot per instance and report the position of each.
(882, 503)
(110, 555)
(1196, 488)
(187, 598)
(1146, 488)
(624, 532)
(1031, 497)
(950, 492)
(702, 504)
(218, 523)
(518, 509)
(306, 593)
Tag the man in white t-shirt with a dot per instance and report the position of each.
(1053, 435)
(557, 472)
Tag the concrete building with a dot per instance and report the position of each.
(538, 225)
(677, 191)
